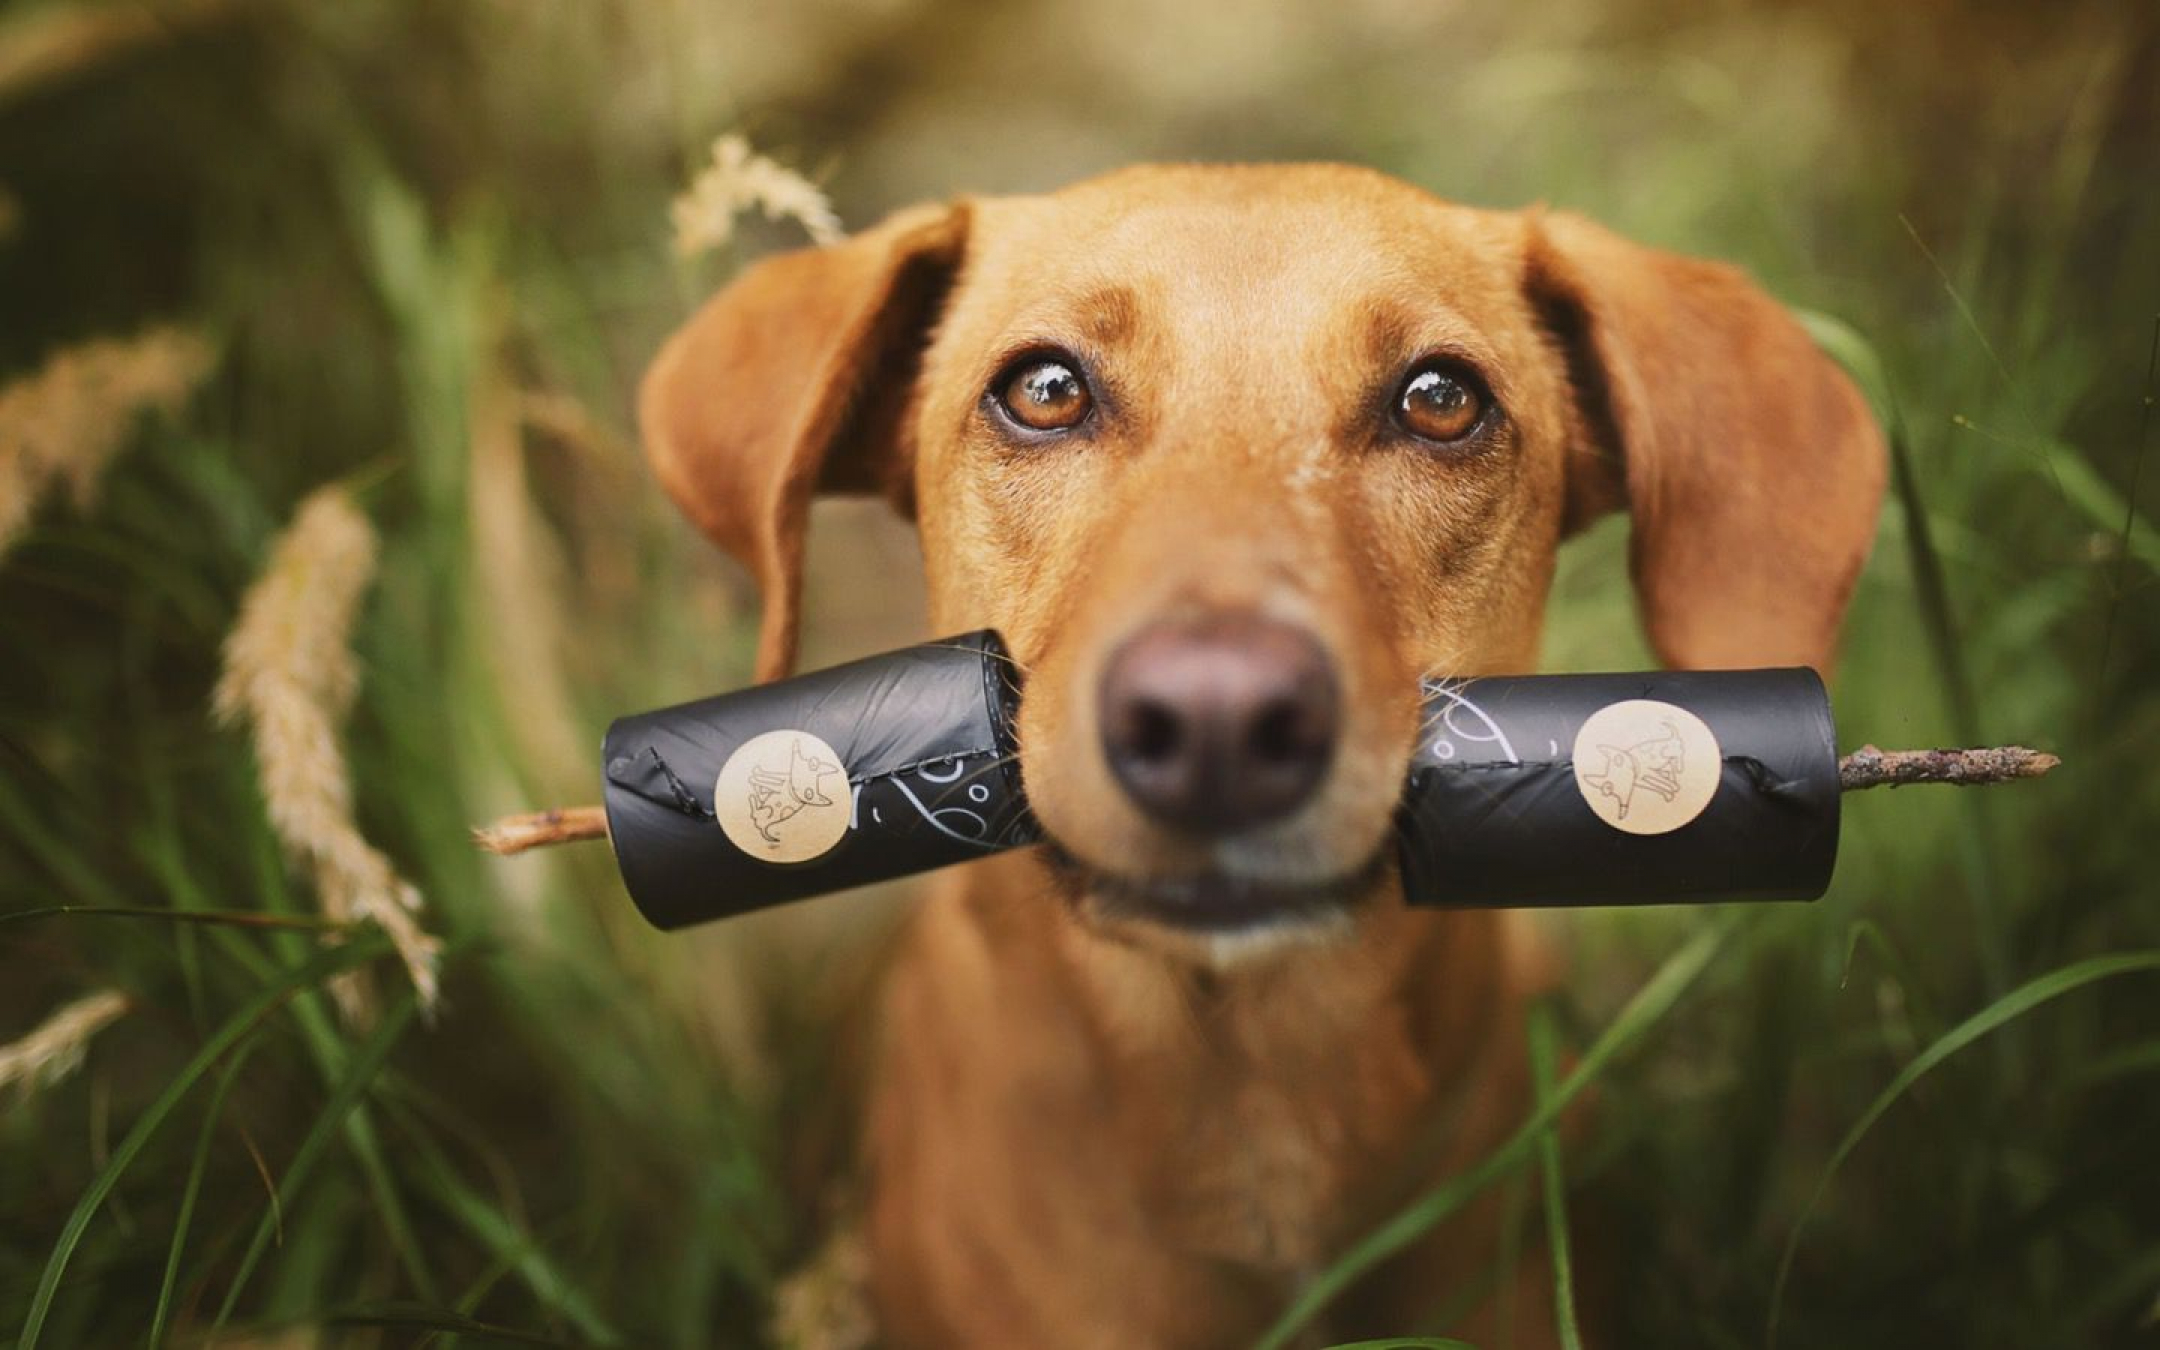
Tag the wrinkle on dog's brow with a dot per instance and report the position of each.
(1109, 314)
(1387, 336)
(1391, 332)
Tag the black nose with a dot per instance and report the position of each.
(1218, 724)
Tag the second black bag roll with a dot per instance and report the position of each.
(1646, 788)
(838, 778)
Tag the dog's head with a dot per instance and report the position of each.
(1233, 456)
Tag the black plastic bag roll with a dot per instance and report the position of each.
(1648, 788)
(880, 768)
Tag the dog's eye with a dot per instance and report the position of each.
(1045, 394)
(1441, 402)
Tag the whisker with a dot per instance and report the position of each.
(995, 655)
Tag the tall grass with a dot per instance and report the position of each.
(427, 248)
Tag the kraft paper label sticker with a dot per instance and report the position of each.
(784, 797)
(1646, 767)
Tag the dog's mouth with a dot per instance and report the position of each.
(1213, 903)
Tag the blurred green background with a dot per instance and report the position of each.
(429, 243)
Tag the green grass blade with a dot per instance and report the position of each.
(1931, 586)
(1938, 616)
(359, 1075)
(1542, 1052)
(327, 1047)
(1514, 1226)
(190, 1193)
(1645, 1010)
(1850, 349)
(505, 1238)
(469, 1301)
(1847, 346)
(2001, 1012)
(251, 1015)
(1406, 1343)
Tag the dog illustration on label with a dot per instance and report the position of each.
(1655, 764)
(777, 797)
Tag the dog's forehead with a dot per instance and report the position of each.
(1290, 247)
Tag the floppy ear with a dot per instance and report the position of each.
(1750, 465)
(794, 379)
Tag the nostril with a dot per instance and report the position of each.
(1278, 735)
(1156, 733)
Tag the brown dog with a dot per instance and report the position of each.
(1232, 456)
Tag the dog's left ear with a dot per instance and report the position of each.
(794, 380)
(1751, 467)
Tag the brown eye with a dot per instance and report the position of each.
(1441, 403)
(1046, 394)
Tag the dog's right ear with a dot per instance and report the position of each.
(792, 380)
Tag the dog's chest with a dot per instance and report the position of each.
(1256, 1183)
(1269, 1168)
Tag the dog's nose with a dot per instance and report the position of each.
(1218, 724)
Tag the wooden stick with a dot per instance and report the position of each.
(563, 825)
(1867, 767)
